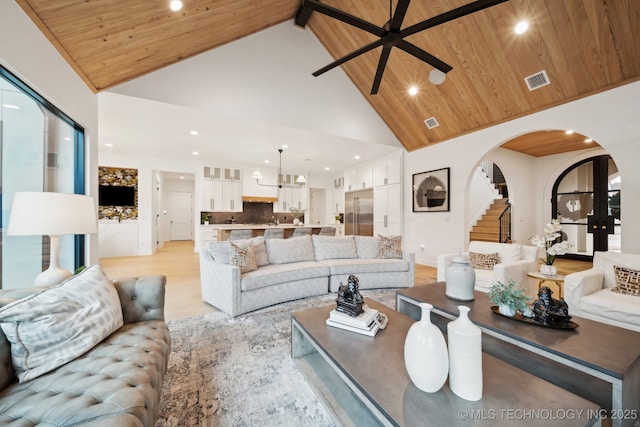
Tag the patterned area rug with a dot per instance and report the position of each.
(226, 371)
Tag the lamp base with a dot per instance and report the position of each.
(52, 276)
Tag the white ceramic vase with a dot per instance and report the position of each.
(465, 356)
(296, 221)
(548, 270)
(425, 353)
(460, 279)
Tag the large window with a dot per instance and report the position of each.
(41, 149)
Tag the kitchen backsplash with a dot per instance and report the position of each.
(252, 213)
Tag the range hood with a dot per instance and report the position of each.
(259, 199)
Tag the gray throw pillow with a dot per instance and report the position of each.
(59, 324)
(293, 249)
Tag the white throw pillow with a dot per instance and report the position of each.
(293, 249)
(57, 325)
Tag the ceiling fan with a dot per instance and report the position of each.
(391, 35)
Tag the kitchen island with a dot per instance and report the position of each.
(223, 230)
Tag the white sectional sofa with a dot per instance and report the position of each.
(515, 261)
(298, 267)
(590, 294)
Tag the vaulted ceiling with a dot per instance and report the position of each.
(584, 46)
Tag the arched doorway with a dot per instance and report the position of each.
(586, 201)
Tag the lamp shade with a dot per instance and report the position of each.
(42, 213)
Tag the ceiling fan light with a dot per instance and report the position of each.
(437, 77)
(256, 175)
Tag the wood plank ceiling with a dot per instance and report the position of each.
(585, 47)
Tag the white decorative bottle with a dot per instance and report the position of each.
(425, 353)
(465, 356)
(460, 279)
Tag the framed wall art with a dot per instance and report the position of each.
(431, 191)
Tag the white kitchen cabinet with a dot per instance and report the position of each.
(208, 233)
(211, 195)
(387, 169)
(291, 197)
(231, 196)
(387, 206)
(221, 189)
(358, 178)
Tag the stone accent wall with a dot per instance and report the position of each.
(118, 177)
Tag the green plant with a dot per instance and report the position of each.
(297, 213)
(510, 295)
(205, 217)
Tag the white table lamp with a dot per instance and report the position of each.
(52, 214)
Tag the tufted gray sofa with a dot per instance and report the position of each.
(298, 267)
(116, 383)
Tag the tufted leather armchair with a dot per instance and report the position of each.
(116, 383)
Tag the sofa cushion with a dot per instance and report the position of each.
(508, 252)
(59, 324)
(627, 281)
(372, 265)
(219, 251)
(366, 246)
(331, 247)
(612, 305)
(484, 280)
(389, 246)
(483, 261)
(293, 249)
(274, 274)
(242, 254)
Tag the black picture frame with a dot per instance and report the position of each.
(431, 191)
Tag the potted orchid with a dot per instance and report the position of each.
(551, 247)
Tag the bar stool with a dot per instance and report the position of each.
(301, 231)
(240, 234)
(327, 231)
(274, 233)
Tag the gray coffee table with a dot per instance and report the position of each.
(597, 361)
(363, 382)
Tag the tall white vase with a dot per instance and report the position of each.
(425, 353)
(465, 356)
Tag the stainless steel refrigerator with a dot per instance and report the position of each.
(358, 213)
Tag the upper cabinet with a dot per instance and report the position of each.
(221, 189)
(358, 178)
(388, 169)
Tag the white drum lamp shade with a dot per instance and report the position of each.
(52, 214)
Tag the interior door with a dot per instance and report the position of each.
(181, 227)
(587, 203)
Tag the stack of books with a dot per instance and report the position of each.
(365, 323)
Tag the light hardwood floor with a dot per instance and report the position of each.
(181, 265)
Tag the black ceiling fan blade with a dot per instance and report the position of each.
(315, 5)
(346, 58)
(450, 16)
(399, 14)
(382, 64)
(424, 56)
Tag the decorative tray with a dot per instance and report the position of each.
(533, 321)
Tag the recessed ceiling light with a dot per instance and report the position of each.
(521, 27)
(285, 146)
(194, 132)
(182, 177)
(327, 168)
(195, 153)
(356, 157)
(437, 77)
(175, 5)
(588, 140)
(569, 132)
(413, 90)
(108, 145)
(267, 161)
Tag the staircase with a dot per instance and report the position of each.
(488, 227)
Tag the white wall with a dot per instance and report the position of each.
(611, 118)
(26, 52)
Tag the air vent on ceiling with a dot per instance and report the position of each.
(537, 80)
(431, 122)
